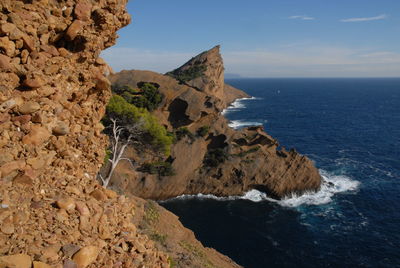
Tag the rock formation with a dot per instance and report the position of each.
(53, 94)
(212, 158)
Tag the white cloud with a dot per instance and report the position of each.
(380, 17)
(301, 17)
(299, 61)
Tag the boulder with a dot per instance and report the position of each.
(86, 256)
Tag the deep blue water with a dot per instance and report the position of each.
(350, 128)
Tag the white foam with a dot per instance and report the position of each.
(237, 105)
(332, 184)
(237, 124)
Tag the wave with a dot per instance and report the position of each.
(237, 105)
(331, 185)
(237, 124)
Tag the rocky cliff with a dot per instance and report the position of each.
(208, 156)
(53, 93)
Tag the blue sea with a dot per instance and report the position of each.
(350, 128)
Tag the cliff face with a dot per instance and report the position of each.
(211, 158)
(53, 94)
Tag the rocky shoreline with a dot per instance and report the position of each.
(53, 95)
(251, 158)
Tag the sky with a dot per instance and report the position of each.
(264, 38)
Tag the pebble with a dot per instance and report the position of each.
(66, 203)
(61, 129)
(85, 256)
(29, 107)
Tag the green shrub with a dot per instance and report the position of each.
(215, 157)
(203, 131)
(182, 132)
(172, 263)
(107, 156)
(161, 168)
(129, 114)
(189, 74)
(146, 96)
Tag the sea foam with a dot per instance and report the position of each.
(238, 104)
(237, 124)
(331, 185)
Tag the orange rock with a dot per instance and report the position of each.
(74, 29)
(6, 28)
(60, 129)
(38, 264)
(5, 62)
(82, 208)
(85, 256)
(18, 260)
(29, 107)
(9, 167)
(37, 136)
(66, 203)
(34, 82)
(23, 179)
(7, 45)
(98, 195)
(28, 43)
(83, 10)
(22, 119)
(7, 226)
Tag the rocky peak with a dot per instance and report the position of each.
(205, 73)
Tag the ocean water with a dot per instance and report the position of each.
(350, 128)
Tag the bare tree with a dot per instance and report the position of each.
(118, 146)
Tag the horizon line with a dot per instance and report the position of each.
(314, 77)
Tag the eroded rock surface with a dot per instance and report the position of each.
(223, 161)
(52, 96)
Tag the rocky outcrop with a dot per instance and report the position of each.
(53, 94)
(212, 158)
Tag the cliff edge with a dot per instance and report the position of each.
(53, 93)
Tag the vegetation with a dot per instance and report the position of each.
(185, 75)
(172, 263)
(161, 168)
(161, 238)
(107, 156)
(146, 96)
(152, 214)
(203, 131)
(183, 132)
(138, 119)
(215, 157)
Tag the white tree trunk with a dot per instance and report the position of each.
(117, 149)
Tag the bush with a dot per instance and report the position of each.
(129, 114)
(182, 132)
(203, 131)
(161, 168)
(146, 96)
(107, 156)
(188, 74)
(215, 157)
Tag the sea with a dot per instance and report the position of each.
(350, 129)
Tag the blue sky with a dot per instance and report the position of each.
(259, 38)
